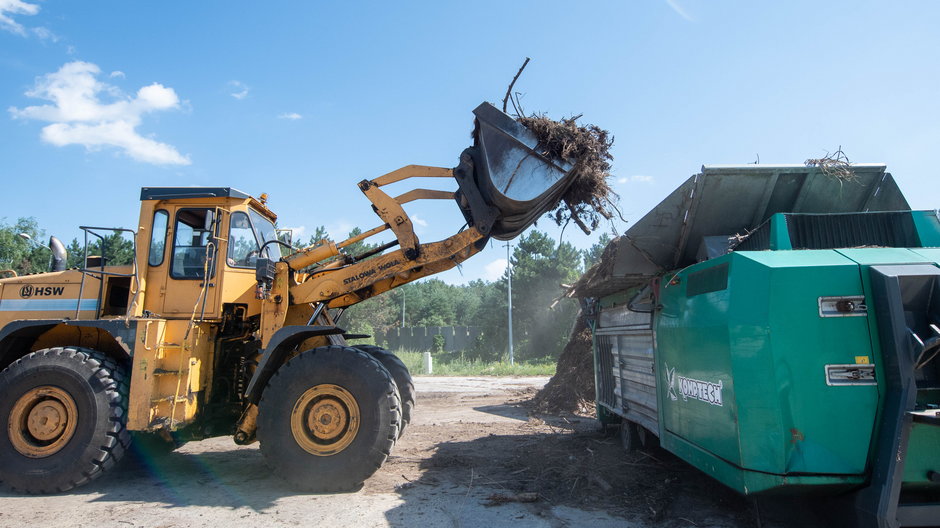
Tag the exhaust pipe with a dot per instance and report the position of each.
(59, 255)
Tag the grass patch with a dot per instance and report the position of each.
(444, 365)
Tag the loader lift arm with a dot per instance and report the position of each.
(505, 183)
(348, 280)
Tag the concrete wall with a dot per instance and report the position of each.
(421, 338)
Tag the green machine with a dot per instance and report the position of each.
(778, 328)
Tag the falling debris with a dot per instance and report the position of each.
(590, 197)
(836, 165)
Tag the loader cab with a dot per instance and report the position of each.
(198, 248)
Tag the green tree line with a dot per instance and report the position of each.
(31, 254)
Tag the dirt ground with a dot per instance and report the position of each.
(474, 456)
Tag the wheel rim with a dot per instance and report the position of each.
(42, 422)
(325, 420)
(629, 438)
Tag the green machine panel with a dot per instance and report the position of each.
(743, 381)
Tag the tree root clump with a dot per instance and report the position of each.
(590, 197)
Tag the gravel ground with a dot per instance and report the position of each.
(215, 483)
(475, 455)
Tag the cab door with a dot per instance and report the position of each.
(187, 273)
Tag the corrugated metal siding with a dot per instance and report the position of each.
(606, 378)
(626, 369)
(852, 230)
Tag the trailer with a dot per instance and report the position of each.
(778, 327)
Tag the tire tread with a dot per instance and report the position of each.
(349, 480)
(113, 379)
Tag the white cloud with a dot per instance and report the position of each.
(674, 5)
(636, 178)
(416, 220)
(117, 74)
(494, 270)
(78, 116)
(15, 7)
(240, 90)
(45, 34)
(293, 116)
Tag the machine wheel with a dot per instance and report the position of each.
(63, 413)
(630, 436)
(406, 387)
(647, 439)
(328, 418)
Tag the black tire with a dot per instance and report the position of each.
(83, 394)
(629, 436)
(315, 383)
(648, 440)
(406, 386)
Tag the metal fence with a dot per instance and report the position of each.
(421, 338)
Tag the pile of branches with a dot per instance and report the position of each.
(571, 389)
(590, 197)
(836, 165)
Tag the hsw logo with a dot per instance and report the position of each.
(41, 291)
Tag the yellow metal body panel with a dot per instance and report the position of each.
(238, 286)
(87, 337)
(274, 310)
(50, 296)
(169, 371)
(142, 244)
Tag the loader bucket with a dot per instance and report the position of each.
(505, 183)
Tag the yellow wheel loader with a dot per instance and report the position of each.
(219, 328)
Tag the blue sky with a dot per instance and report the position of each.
(301, 100)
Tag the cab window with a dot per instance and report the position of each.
(242, 244)
(193, 244)
(158, 237)
(265, 232)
